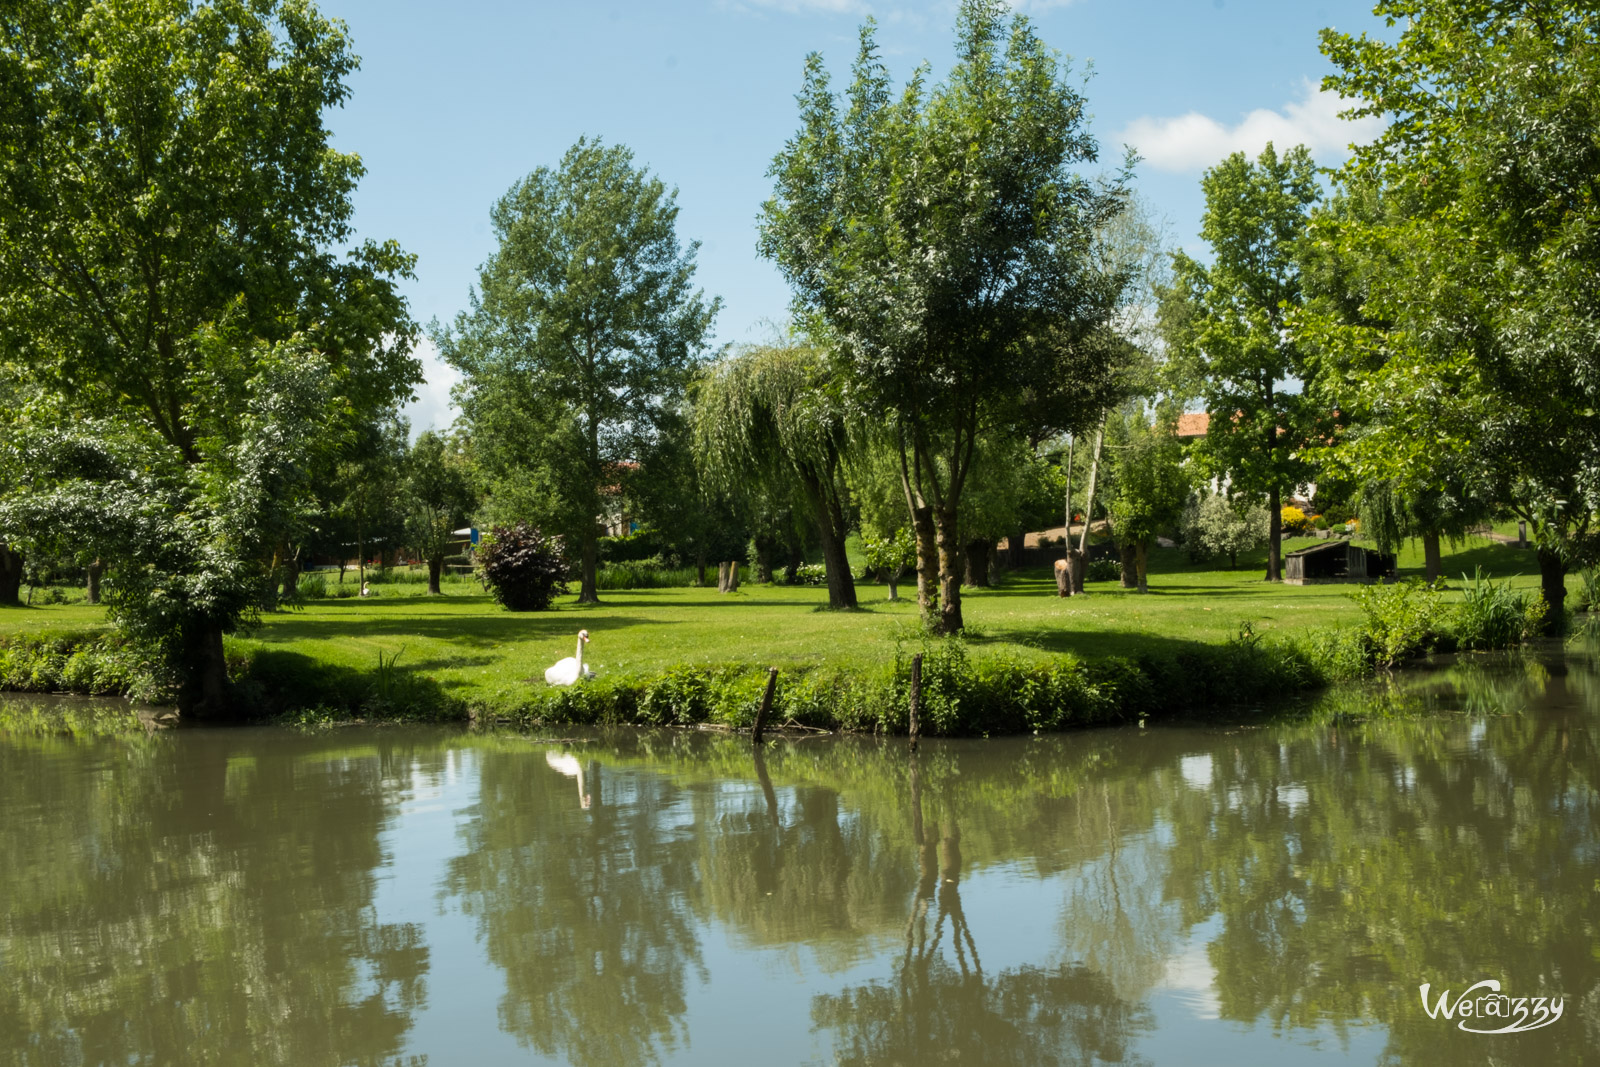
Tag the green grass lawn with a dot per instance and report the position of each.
(476, 650)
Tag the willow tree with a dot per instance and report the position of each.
(772, 413)
(942, 242)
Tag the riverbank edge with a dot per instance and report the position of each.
(961, 695)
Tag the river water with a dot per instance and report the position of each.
(1263, 894)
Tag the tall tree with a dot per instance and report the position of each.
(1226, 326)
(773, 413)
(171, 218)
(586, 308)
(1480, 273)
(941, 241)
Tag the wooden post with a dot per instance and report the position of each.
(766, 705)
(916, 698)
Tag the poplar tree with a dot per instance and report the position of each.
(584, 325)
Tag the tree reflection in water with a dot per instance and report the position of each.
(583, 909)
(936, 1011)
(203, 899)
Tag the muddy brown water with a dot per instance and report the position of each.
(1269, 893)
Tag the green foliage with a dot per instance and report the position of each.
(1216, 525)
(1465, 347)
(1401, 619)
(1493, 615)
(1102, 570)
(643, 574)
(942, 243)
(1589, 589)
(1225, 323)
(580, 338)
(1146, 485)
(438, 493)
(890, 556)
(97, 664)
(522, 567)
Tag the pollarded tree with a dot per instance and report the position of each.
(773, 413)
(584, 323)
(439, 493)
(172, 215)
(942, 242)
(1227, 333)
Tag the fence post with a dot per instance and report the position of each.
(916, 698)
(766, 705)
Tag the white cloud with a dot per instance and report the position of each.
(1193, 141)
(432, 410)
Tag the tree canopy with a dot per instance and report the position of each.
(584, 326)
(1477, 349)
(171, 218)
(1226, 325)
(941, 241)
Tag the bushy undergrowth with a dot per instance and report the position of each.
(649, 573)
(961, 696)
(93, 662)
(1408, 618)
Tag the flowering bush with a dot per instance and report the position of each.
(1294, 520)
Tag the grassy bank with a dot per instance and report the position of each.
(1030, 660)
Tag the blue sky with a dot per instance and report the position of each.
(454, 102)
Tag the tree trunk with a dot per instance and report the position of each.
(1274, 536)
(1142, 562)
(830, 528)
(1078, 569)
(700, 569)
(1130, 563)
(291, 575)
(204, 693)
(10, 575)
(733, 576)
(1015, 547)
(1553, 584)
(927, 564)
(435, 569)
(894, 583)
(1094, 479)
(763, 562)
(96, 569)
(949, 545)
(722, 577)
(1431, 565)
(587, 589)
(977, 563)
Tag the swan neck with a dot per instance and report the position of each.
(580, 655)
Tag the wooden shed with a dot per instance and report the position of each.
(1337, 561)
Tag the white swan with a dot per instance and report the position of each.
(570, 669)
(568, 765)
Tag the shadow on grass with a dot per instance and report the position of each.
(458, 629)
(273, 681)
